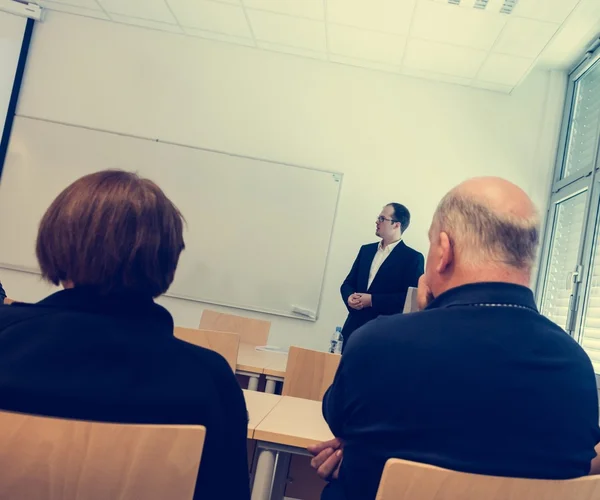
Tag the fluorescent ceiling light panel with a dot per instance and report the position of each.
(495, 6)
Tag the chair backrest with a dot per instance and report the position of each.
(309, 373)
(47, 458)
(410, 303)
(251, 331)
(225, 343)
(403, 480)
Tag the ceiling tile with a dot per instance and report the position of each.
(362, 63)
(494, 87)
(553, 11)
(286, 30)
(145, 23)
(437, 77)
(86, 4)
(154, 10)
(71, 9)
(363, 44)
(312, 9)
(569, 44)
(211, 35)
(440, 58)
(525, 37)
(211, 16)
(391, 16)
(452, 24)
(286, 49)
(504, 70)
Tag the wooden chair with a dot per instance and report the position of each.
(225, 343)
(403, 480)
(251, 331)
(47, 458)
(309, 373)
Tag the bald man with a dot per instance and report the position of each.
(479, 381)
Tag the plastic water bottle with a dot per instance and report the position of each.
(335, 346)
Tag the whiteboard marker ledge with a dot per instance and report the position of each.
(304, 312)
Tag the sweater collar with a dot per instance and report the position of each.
(492, 293)
(125, 305)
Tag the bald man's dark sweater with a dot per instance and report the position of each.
(479, 382)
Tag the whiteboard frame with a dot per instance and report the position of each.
(338, 175)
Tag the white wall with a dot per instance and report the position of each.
(394, 138)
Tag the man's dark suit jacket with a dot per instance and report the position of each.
(479, 382)
(2, 294)
(401, 269)
(78, 354)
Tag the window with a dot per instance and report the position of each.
(569, 281)
(583, 127)
(563, 258)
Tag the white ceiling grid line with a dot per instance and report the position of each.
(249, 23)
(101, 7)
(410, 27)
(429, 39)
(475, 79)
(171, 11)
(326, 18)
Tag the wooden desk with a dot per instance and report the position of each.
(252, 361)
(276, 368)
(294, 422)
(253, 364)
(291, 426)
(259, 405)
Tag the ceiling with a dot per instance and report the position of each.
(424, 38)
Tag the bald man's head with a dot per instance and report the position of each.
(487, 223)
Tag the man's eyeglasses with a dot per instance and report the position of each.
(381, 218)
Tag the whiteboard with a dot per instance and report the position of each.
(257, 235)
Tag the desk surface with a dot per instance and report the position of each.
(294, 422)
(259, 405)
(253, 361)
(277, 366)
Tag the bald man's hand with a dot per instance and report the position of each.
(424, 294)
(328, 458)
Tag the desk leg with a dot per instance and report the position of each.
(270, 386)
(253, 383)
(280, 476)
(263, 475)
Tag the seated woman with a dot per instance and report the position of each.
(101, 349)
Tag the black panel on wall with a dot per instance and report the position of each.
(14, 96)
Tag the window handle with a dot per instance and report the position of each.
(573, 279)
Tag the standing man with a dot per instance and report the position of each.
(382, 272)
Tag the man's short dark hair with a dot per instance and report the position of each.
(114, 231)
(401, 215)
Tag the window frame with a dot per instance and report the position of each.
(565, 188)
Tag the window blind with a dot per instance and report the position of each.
(590, 335)
(569, 216)
(583, 136)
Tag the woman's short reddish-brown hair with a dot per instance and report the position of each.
(114, 231)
